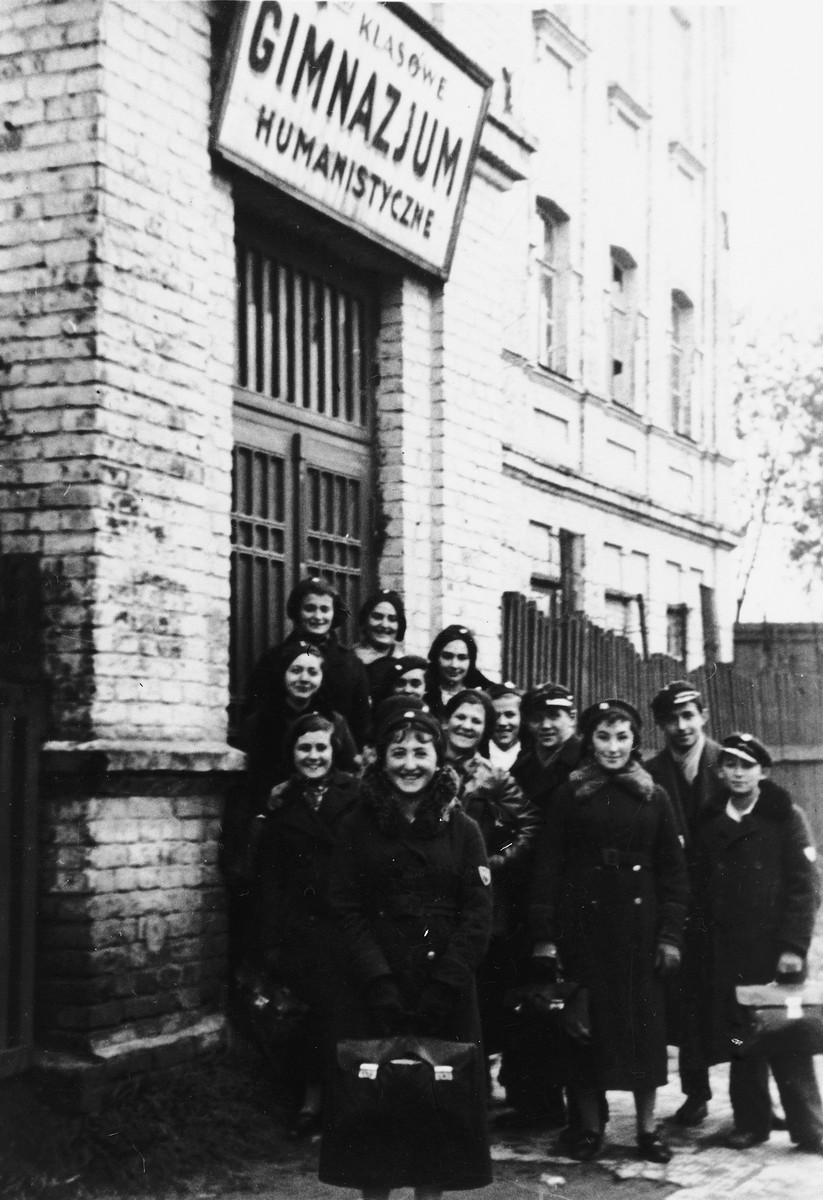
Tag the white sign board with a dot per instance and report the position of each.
(363, 111)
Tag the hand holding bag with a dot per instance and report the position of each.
(782, 1017)
(406, 1111)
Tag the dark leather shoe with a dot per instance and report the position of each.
(652, 1147)
(691, 1112)
(812, 1147)
(744, 1139)
(586, 1145)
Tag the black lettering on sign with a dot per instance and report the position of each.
(360, 187)
(400, 152)
(264, 123)
(321, 163)
(261, 50)
(284, 61)
(447, 161)
(419, 167)
(303, 145)
(365, 108)
(318, 65)
(378, 141)
(339, 168)
(343, 87)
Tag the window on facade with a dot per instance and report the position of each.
(677, 629)
(557, 558)
(682, 357)
(552, 262)
(622, 325)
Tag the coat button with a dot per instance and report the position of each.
(638, 900)
(430, 954)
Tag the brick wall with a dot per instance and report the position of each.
(116, 295)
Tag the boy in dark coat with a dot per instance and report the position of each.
(687, 769)
(761, 891)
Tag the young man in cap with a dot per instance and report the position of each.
(761, 893)
(686, 768)
(549, 714)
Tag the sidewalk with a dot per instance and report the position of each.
(525, 1169)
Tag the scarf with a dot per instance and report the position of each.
(589, 778)
(438, 803)
(689, 763)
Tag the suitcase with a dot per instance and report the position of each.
(782, 1017)
(406, 1112)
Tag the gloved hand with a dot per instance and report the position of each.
(666, 959)
(383, 1002)
(790, 963)
(435, 1003)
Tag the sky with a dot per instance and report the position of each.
(776, 182)
(776, 222)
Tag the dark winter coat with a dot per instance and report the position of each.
(539, 782)
(688, 799)
(509, 824)
(345, 683)
(760, 890)
(297, 934)
(686, 989)
(609, 885)
(414, 904)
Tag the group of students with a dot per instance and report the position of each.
(426, 842)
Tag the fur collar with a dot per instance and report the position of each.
(292, 790)
(773, 803)
(436, 807)
(590, 778)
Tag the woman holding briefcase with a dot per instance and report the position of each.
(411, 887)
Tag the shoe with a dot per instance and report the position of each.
(813, 1147)
(744, 1139)
(304, 1124)
(652, 1147)
(585, 1145)
(691, 1112)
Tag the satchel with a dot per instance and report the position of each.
(406, 1111)
(781, 1017)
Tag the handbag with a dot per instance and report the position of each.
(406, 1111)
(563, 1005)
(780, 1017)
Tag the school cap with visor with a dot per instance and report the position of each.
(679, 691)
(747, 748)
(547, 695)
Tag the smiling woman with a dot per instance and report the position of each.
(410, 884)
(609, 897)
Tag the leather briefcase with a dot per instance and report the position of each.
(406, 1111)
(781, 1017)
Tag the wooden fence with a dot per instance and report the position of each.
(784, 709)
(21, 714)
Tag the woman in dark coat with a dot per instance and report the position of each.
(297, 938)
(295, 685)
(317, 612)
(760, 892)
(452, 667)
(382, 622)
(411, 887)
(509, 824)
(609, 897)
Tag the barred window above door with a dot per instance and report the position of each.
(302, 339)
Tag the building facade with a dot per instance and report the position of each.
(211, 385)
